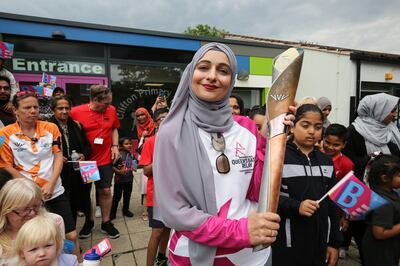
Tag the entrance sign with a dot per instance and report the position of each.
(57, 66)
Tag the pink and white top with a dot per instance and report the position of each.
(234, 194)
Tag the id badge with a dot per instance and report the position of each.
(98, 141)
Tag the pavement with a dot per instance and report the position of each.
(353, 259)
(131, 247)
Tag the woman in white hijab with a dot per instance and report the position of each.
(373, 130)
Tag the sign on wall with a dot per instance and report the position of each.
(57, 66)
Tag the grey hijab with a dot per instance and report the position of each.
(183, 177)
(322, 103)
(372, 110)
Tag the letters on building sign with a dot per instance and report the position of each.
(137, 94)
(53, 66)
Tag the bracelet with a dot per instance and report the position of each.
(114, 145)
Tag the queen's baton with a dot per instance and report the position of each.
(285, 78)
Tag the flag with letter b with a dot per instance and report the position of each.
(89, 171)
(354, 197)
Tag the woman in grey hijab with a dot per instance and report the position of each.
(326, 107)
(207, 170)
(372, 131)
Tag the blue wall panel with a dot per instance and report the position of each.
(243, 63)
(34, 29)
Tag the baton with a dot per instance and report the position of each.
(285, 78)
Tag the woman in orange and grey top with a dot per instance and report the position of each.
(32, 149)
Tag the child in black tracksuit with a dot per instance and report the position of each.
(123, 179)
(309, 231)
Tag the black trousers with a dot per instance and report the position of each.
(61, 206)
(125, 189)
(357, 230)
(77, 192)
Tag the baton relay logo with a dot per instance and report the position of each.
(279, 97)
(239, 150)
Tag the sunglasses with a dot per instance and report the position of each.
(6, 88)
(101, 94)
(222, 161)
(28, 92)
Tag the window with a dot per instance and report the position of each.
(250, 96)
(137, 86)
(368, 88)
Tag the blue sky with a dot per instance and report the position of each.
(365, 25)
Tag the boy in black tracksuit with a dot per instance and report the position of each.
(304, 240)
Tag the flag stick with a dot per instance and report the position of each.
(321, 199)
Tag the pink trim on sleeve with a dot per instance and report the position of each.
(221, 232)
(218, 231)
(253, 191)
(247, 123)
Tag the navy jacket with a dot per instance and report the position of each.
(302, 238)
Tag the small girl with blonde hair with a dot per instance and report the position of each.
(20, 201)
(39, 243)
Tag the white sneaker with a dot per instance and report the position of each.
(342, 253)
(97, 214)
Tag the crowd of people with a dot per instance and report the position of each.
(201, 162)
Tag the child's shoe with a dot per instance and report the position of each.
(127, 213)
(97, 213)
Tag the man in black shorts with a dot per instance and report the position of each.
(100, 123)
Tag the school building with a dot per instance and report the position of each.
(136, 64)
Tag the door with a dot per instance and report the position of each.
(77, 87)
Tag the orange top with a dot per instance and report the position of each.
(32, 157)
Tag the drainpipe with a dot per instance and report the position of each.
(358, 83)
(356, 99)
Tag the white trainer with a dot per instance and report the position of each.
(97, 214)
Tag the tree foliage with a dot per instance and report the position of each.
(205, 30)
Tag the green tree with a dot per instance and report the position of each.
(205, 30)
